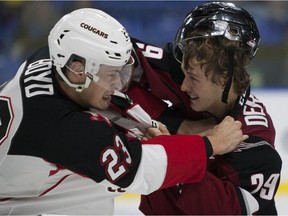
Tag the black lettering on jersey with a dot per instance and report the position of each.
(37, 78)
(119, 190)
(254, 113)
(6, 117)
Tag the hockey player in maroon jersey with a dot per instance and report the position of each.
(59, 156)
(214, 45)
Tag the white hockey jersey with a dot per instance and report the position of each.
(58, 157)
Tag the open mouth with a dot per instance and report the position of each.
(193, 97)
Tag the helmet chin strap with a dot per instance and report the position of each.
(230, 75)
(78, 87)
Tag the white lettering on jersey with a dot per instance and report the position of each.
(254, 113)
(110, 157)
(267, 188)
(38, 71)
(151, 51)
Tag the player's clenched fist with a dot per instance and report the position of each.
(226, 136)
(153, 132)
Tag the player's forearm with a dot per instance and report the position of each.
(164, 165)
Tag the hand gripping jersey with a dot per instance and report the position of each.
(58, 157)
(254, 167)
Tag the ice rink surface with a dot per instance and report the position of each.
(128, 204)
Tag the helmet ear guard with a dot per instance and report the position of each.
(92, 35)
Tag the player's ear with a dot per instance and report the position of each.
(77, 67)
(223, 81)
(75, 71)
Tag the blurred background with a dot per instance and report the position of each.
(25, 25)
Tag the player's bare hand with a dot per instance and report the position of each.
(226, 136)
(153, 132)
(163, 128)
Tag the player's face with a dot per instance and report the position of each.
(204, 94)
(98, 94)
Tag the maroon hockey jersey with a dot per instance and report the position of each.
(254, 168)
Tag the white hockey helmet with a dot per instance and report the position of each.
(92, 35)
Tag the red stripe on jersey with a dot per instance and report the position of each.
(186, 162)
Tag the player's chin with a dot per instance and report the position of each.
(195, 106)
(102, 107)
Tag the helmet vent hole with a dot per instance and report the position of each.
(60, 56)
(234, 31)
(115, 42)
